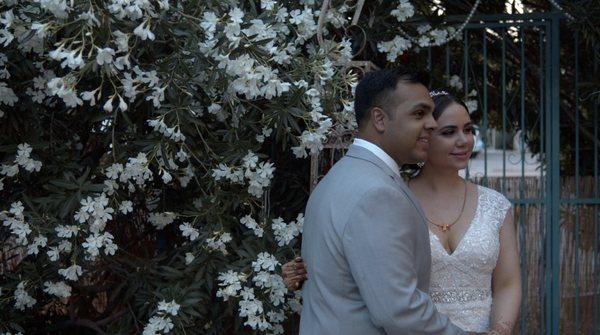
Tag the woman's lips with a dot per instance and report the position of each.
(462, 155)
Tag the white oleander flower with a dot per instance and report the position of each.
(72, 272)
(39, 242)
(188, 231)
(161, 220)
(265, 261)
(230, 283)
(158, 324)
(22, 298)
(66, 231)
(144, 32)
(169, 307)
(189, 258)
(59, 289)
(126, 207)
(104, 56)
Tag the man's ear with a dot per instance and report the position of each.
(378, 119)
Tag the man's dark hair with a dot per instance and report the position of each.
(375, 89)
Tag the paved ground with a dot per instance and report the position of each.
(513, 163)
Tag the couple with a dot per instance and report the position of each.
(432, 255)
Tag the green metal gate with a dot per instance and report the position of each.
(516, 65)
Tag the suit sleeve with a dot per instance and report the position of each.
(379, 243)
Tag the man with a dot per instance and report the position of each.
(365, 240)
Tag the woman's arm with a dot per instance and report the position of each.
(506, 281)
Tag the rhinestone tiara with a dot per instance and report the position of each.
(436, 93)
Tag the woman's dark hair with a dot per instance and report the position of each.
(442, 99)
(375, 87)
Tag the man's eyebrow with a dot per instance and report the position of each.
(422, 105)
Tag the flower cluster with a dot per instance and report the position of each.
(257, 174)
(160, 125)
(285, 233)
(162, 323)
(23, 159)
(267, 282)
(15, 221)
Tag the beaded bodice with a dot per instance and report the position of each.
(461, 281)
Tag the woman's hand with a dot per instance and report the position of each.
(294, 274)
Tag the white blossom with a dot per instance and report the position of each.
(71, 273)
(250, 223)
(126, 207)
(456, 82)
(144, 32)
(404, 11)
(66, 231)
(105, 56)
(265, 261)
(189, 258)
(59, 289)
(22, 298)
(39, 242)
(169, 307)
(230, 283)
(285, 233)
(158, 324)
(219, 241)
(188, 231)
(161, 220)
(7, 95)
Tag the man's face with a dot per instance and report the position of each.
(408, 129)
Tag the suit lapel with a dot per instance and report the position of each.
(359, 152)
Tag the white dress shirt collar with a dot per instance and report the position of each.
(377, 151)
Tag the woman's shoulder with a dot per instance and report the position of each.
(493, 195)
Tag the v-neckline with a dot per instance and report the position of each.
(466, 231)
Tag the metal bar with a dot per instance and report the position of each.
(543, 170)
(485, 109)
(554, 208)
(542, 107)
(596, 308)
(527, 201)
(491, 25)
(522, 108)
(522, 242)
(429, 64)
(510, 18)
(466, 75)
(447, 64)
(576, 232)
(547, 316)
(503, 85)
(581, 201)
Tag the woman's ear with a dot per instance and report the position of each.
(378, 118)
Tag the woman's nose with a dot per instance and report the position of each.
(462, 139)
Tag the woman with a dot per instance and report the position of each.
(475, 275)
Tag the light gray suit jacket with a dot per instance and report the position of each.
(366, 247)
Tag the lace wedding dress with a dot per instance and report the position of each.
(461, 282)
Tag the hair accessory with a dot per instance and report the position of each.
(436, 93)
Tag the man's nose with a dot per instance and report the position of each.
(430, 123)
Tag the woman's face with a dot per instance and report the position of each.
(451, 144)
